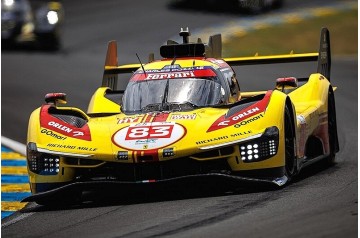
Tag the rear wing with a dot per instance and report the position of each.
(213, 50)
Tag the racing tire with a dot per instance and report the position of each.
(290, 145)
(332, 129)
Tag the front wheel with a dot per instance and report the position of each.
(290, 145)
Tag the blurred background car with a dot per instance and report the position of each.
(244, 6)
(258, 6)
(37, 22)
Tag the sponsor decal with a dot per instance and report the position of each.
(237, 118)
(147, 141)
(183, 117)
(211, 140)
(220, 138)
(241, 133)
(188, 74)
(53, 134)
(245, 122)
(128, 120)
(148, 136)
(59, 126)
(54, 124)
(172, 74)
(171, 68)
(86, 148)
(72, 147)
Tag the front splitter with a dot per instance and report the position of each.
(211, 179)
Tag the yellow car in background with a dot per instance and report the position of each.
(183, 117)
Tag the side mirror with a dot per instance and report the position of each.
(55, 98)
(286, 83)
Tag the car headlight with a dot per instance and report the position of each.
(261, 148)
(8, 3)
(52, 17)
(42, 163)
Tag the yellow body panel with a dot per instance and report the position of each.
(310, 103)
(99, 103)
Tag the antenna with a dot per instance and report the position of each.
(185, 34)
(194, 56)
(142, 66)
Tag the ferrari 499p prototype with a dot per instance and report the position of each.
(183, 117)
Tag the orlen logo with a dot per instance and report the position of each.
(59, 126)
(239, 116)
(253, 110)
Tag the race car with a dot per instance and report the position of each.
(183, 117)
(35, 23)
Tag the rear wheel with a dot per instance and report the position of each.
(290, 145)
(332, 129)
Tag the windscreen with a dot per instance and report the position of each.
(171, 94)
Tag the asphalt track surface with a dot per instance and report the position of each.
(320, 203)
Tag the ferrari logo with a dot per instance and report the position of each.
(145, 147)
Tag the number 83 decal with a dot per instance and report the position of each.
(149, 132)
(154, 135)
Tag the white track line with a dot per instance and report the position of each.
(16, 219)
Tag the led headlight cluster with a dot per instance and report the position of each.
(122, 155)
(50, 165)
(42, 163)
(261, 148)
(52, 17)
(249, 152)
(168, 152)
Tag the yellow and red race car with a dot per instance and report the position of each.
(183, 117)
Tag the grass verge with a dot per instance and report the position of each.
(302, 36)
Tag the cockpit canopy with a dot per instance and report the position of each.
(173, 89)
